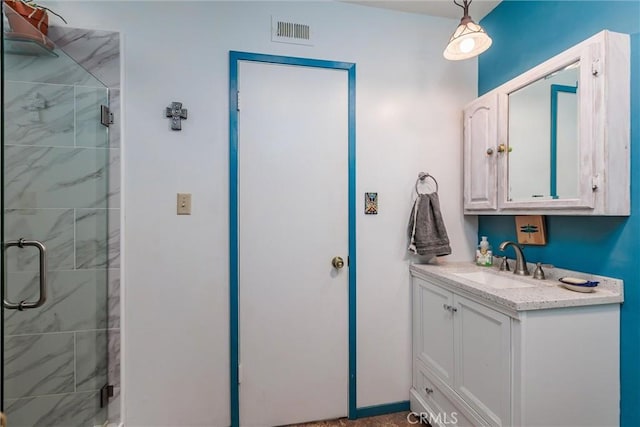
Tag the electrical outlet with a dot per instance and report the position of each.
(184, 203)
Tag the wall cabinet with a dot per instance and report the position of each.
(554, 140)
(477, 364)
(480, 136)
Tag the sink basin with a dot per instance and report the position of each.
(494, 280)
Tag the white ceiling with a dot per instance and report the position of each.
(445, 8)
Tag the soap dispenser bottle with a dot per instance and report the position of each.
(484, 254)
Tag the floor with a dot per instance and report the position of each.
(390, 420)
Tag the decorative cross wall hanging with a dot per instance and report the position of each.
(177, 114)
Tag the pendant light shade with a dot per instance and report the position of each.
(469, 39)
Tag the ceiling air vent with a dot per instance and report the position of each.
(290, 31)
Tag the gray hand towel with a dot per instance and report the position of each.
(427, 233)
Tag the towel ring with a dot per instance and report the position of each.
(421, 177)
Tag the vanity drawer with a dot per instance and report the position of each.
(447, 414)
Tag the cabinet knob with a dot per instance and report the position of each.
(489, 151)
(449, 308)
(428, 390)
(502, 148)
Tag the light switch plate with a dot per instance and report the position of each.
(184, 203)
(371, 203)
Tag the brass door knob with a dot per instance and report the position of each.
(337, 262)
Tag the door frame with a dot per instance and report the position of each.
(234, 58)
(555, 89)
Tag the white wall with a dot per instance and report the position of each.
(409, 102)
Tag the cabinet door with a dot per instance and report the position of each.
(433, 328)
(483, 360)
(480, 153)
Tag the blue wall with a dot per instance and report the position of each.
(524, 34)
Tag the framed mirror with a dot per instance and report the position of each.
(543, 133)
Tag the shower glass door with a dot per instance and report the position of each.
(55, 195)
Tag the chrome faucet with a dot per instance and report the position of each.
(521, 263)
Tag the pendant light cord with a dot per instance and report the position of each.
(464, 6)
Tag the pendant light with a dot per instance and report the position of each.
(469, 39)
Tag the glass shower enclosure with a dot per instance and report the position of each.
(55, 200)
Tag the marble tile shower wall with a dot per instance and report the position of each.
(62, 186)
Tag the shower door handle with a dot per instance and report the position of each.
(23, 305)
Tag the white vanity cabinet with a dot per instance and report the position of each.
(465, 348)
(540, 356)
(555, 139)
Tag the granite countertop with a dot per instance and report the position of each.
(532, 295)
